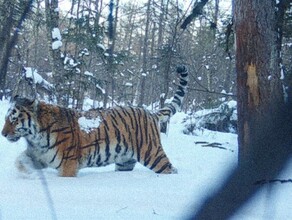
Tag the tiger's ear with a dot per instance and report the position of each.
(25, 102)
(32, 104)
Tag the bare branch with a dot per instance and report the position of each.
(197, 10)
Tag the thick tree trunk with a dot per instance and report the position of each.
(264, 123)
(258, 73)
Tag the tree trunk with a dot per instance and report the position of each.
(264, 123)
(56, 63)
(144, 58)
(258, 73)
(12, 19)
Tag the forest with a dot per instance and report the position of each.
(122, 52)
(125, 53)
(118, 52)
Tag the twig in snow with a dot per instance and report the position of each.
(122, 209)
(262, 182)
(213, 145)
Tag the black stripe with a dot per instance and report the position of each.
(136, 133)
(127, 114)
(57, 167)
(98, 161)
(114, 119)
(184, 74)
(163, 168)
(140, 144)
(146, 126)
(133, 120)
(124, 122)
(48, 139)
(71, 131)
(107, 145)
(59, 142)
(96, 149)
(60, 129)
(183, 82)
(118, 148)
(88, 145)
(22, 122)
(154, 129)
(157, 161)
(48, 127)
(180, 91)
(147, 157)
(125, 144)
(117, 135)
(29, 119)
(54, 157)
(177, 100)
(89, 164)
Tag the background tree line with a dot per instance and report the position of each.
(135, 66)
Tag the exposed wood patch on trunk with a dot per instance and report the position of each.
(253, 85)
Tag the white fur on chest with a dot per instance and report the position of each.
(40, 147)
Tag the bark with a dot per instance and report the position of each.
(8, 41)
(258, 73)
(56, 63)
(144, 58)
(264, 122)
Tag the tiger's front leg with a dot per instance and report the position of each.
(69, 168)
(27, 164)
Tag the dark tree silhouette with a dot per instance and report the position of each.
(264, 120)
(13, 14)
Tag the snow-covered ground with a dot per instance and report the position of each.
(102, 193)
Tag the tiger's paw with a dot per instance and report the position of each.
(25, 167)
(173, 170)
(169, 170)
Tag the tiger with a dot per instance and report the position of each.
(69, 140)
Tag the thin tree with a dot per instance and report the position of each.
(55, 43)
(144, 55)
(12, 17)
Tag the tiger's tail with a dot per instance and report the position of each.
(170, 109)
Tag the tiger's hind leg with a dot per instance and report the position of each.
(159, 162)
(126, 166)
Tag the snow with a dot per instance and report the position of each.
(87, 73)
(57, 44)
(56, 34)
(101, 46)
(32, 74)
(100, 88)
(129, 84)
(102, 193)
(88, 125)
(57, 39)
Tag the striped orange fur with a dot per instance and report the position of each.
(61, 138)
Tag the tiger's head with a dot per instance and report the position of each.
(19, 120)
